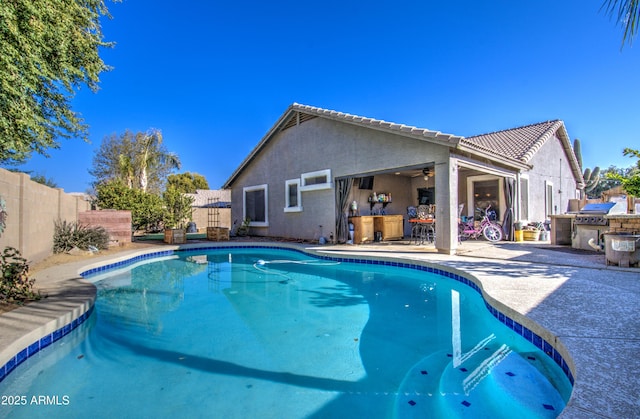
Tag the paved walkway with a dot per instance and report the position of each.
(591, 309)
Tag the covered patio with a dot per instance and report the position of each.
(457, 186)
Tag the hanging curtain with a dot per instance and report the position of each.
(507, 224)
(343, 190)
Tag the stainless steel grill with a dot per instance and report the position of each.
(589, 225)
(593, 220)
(593, 214)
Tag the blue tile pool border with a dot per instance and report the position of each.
(40, 344)
(126, 262)
(512, 324)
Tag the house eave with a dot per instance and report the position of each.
(256, 150)
(454, 142)
(478, 153)
(571, 155)
(422, 134)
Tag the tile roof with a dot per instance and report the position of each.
(207, 197)
(517, 143)
(513, 146)
(376, 123)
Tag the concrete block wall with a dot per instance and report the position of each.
(117, 224)
(32, 210)
(200, 216)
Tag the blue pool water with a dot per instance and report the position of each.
(276, 333)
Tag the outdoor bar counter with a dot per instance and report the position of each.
(390, 227)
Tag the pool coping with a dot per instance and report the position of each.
(71, 299)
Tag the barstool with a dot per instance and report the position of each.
(430, 232)
(422, 232)
(417, 233)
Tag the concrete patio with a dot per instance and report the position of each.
(591, 309)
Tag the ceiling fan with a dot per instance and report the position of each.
(426, 172)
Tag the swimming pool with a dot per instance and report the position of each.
(276, 333)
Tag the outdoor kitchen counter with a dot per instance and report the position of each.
(624, 223)
(561, 228)
(390, 227)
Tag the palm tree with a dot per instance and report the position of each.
(125, 169)
(114, 160)
(139, 160)
(151, 156)
(627, 14)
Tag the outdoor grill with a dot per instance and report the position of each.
(590, 223)
(593, 214)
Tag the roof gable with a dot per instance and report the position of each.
(517, 143)
(514, 146)
(297, 114)
(523, 143)
(379, 124)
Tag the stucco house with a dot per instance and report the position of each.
(303, 176)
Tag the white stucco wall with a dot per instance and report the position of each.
(321, 144)
(352, 150)
(550, 164)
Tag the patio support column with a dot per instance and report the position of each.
(446, 181)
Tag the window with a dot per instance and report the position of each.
(255, 199)
(487, 194)
(365, 183)
(292, 196)
(548, 199)
(524, 198)
(314, 181)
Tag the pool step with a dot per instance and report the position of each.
(494, 381)
(420, 387)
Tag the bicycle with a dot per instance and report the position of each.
(491, 230)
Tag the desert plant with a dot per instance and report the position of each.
(577, 151)
(591, 178)
(243, 229)
(69, 235)
(15, 284)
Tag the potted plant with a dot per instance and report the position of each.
(177, 215)
(530, 233)
(243, 229)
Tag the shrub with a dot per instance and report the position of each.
(147, 210)
(178, 208)
(630, 182)
(15, 284)
(70, 235)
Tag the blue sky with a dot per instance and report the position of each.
(215, 76)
